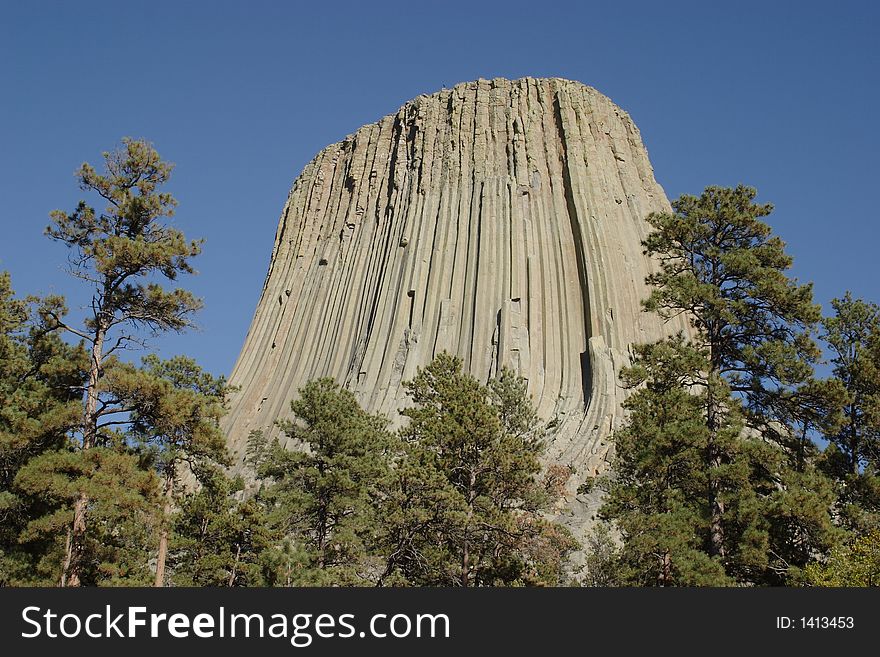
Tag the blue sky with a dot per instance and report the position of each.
(782, 96)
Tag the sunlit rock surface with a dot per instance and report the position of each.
(498, 220)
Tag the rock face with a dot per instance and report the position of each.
(498, 220)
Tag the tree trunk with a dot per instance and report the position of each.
(664, 578)
(74, 553)
(465, 555)
(802, 447)
(713, 457)
(65, 566)
(234, 566)
(465, 563)
(853, 441)
(163, 532)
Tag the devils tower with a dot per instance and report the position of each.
(497, 220)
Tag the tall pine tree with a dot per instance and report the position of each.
(852, 334)
(119, 253)
(721, 267)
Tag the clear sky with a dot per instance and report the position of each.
(782, 96)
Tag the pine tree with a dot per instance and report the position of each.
(175, 419)
(853, 458)
(603, 565)
(799, 509)
(45, 472)
(721, 267)
(118, 253)
(219, 538)
(730, 409)
(40, 380)
(123, 498)
(657, 492)
(417, 507)
(321, 494)
(776, 515)
(481, 445)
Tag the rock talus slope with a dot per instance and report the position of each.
(498, 220)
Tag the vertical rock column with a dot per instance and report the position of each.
(498, 220)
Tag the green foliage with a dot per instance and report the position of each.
(721, 267)
(657, 493)
(219, 538)
(714, 475)
(117, 249)
(173, 408)
(854, 564)
(417, 506)
(853, 459)
(602, 563)
(480, 446)
(321, 496)
(774, 517)
(453, 499)
(174, 418)
(40, 382)
(120, 253)
(800, 528)
(83, 434)
(509, 395)
(117, 545)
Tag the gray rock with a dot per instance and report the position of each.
(520, 251)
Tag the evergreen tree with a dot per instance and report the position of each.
(418, 506)
(118, 253)
(798, 510)
(45, 472)
(657, 492)
(175, 419)
(40, 382)
(481, 446)
(123, 498)
(716, 483)
(853, 458)
(322, 494)
(603, 558)
(721, 267)
(776, 516)
(219, 538)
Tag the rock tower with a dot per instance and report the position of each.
(498, 220)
